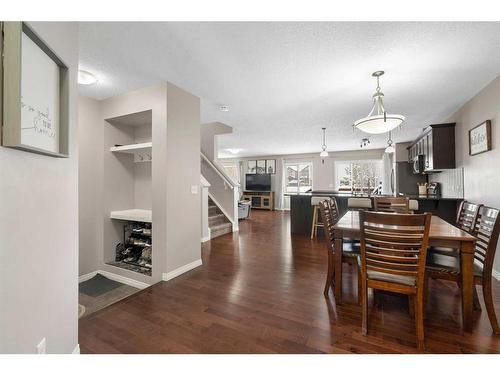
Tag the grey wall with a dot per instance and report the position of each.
(39, 231)
(183, 171)
(481, 177)
(90, 169)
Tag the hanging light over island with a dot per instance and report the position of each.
(378, 120)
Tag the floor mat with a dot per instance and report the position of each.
(97, 286)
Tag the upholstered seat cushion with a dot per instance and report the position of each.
(448, 264)
(390, 278)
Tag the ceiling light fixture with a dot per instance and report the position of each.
(323, 154)
(86, 78)
(378, 120)
(224, 108)
(390, 147)
(234, 151)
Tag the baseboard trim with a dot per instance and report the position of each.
(115, 277)
(495, 274)
(76, 350)
(179, 271)
(87, 276)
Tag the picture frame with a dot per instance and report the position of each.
(261, 166)
(480, 138)
(35, 99)
(271, 166)
(252, 166)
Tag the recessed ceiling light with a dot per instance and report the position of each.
(86, 78)
(224, 108)
(234, 151)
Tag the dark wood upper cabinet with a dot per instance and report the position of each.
(437, 143)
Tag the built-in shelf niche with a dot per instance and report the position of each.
(129, 170)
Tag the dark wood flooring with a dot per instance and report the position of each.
(261, 291)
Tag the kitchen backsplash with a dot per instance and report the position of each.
(452, 182)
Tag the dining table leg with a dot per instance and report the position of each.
(338, 267)
(467, 265)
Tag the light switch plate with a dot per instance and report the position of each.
(41, 348)
(194, 189)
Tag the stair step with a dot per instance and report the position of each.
(220, 229)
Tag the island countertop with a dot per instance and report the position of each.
(301, 209)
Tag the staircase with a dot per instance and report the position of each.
(217, 221)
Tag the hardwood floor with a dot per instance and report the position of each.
(261, 291)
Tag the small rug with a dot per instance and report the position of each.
(97, 286)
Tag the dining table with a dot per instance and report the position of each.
(442, 234)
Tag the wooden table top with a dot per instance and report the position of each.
(440, 229)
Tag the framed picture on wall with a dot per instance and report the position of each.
(480, 138)
(35, 96)
(271, 166)
(252, 166)
(261, 166)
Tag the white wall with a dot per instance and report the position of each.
(323, 174)
(90, 169)
(481, 177)
(39, 231)
(183, 172)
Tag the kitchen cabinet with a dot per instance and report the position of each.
(437, 144)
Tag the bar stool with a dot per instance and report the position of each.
(316, 221)
(359, 203)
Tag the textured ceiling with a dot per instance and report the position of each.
(284, 81)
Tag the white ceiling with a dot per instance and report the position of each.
(284, 81)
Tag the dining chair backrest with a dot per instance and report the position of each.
(486, 231)
(334, 209)
(395, 244)
(392, 204)
(328, 223)
(467, 215)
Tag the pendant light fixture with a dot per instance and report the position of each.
(378, 120)
(390, 148)
(323, 154)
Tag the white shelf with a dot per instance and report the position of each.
(141, 151)
(134, 214)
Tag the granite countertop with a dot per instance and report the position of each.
(332, 193)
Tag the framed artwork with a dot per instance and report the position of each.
(35, 96)
(271, 166)
(261, 166)
(252, 166)
(480, 138)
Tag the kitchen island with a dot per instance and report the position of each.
(301, 210)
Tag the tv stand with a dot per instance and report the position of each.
(263, 200)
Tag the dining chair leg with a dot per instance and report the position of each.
(329, 275)
(419, 320)
(425, 294)
(475, 300)
(360, 285)
(315, 218)
(411, 306)
(364, 308)
(490, 307)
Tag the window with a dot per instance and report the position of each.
(358, 175)
(298, 177)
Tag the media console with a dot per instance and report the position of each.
(263, 200)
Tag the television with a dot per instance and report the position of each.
(258, 182)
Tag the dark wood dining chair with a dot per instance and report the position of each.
(392, 204)
(486, 229)
(466, 219)
(350, 251)
(393, 251)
